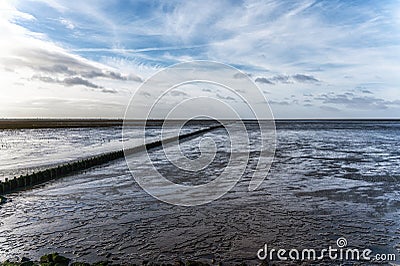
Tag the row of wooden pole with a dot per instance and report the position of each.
(30, 180)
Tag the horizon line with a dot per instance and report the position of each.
(180, 119)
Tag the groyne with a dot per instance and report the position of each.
(36, 178)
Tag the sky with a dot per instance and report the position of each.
(311, 59)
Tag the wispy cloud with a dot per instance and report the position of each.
(352, 101)
(263, 80)
(72, 81)
(286, 103)
(330, 109)
(305, 78)
(68, 24)
(285, 79)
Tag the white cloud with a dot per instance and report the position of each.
(68, 24)
(9, 13)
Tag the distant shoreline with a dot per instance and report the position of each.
(57, 123)
(28, 123)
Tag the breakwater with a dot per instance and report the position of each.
(42, 176)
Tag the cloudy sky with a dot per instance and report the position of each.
(312, 59)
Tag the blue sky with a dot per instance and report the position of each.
(312, 59)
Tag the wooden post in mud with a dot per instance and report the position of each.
(6, 186)
(20, 182)
(13, 183)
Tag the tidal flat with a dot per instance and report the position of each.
(328, 180)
